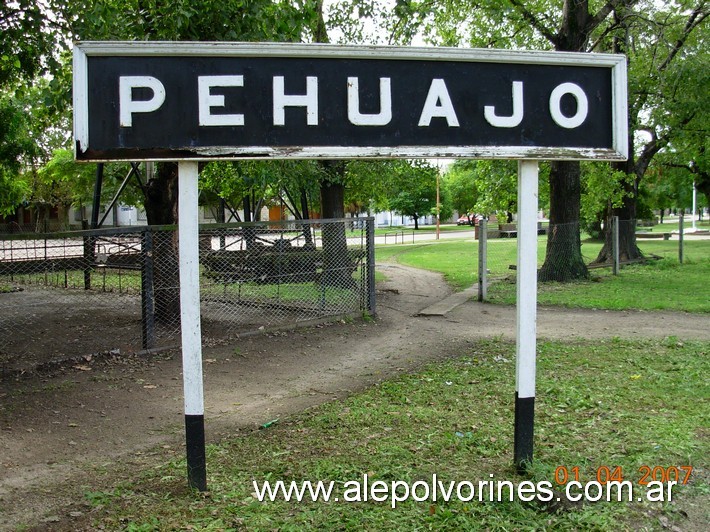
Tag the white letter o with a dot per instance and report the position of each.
(580, 116)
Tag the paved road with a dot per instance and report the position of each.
(410, 236)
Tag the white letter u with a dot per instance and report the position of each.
(361, 119)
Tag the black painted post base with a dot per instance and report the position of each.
(196, 460)
(524, 425)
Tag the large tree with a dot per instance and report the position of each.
(188, 20)
(184, 20)
(413, 189)
(668, 73)
(569, 28)
(30, 33)
(567, 25)
(655, 36)
(15, 147)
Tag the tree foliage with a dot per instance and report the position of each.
(484, 187)
(192, 20)
(30, 33)
(664, 46)
(264, 183)
(600, 188)
(16, 148)
(367, 185)
(685, 105)
(489, 187)
(460, 185)
(413, 189)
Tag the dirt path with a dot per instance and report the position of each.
(57, 430)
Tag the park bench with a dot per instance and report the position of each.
(511, 230)
(508, 230)
(261, 265)
(664, 236)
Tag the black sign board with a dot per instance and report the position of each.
(177, 101)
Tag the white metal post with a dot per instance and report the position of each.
(482, 259)
(695, 206)
(526, 337)
(437, 204)
(615, 245)
(681, 230)
(188, 234)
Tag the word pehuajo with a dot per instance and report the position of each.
(437, 104)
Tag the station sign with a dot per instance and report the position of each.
(206, 101)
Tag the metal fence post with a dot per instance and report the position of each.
(89, 258)
(615, 243)
(482, 259)
(680, 238)
(370, 238)
(147, 291)
(221, 214)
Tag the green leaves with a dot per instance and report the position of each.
(192, 20)
(16, 147)
(27, 38)
(483, 187)
(413, 188)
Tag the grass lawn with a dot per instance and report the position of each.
(662, 285)
(658, 285)
(671, 226)
(455, 259)
(609, 404)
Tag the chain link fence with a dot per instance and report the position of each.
(110, 290)
(40, 226)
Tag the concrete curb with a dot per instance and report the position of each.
(443, 307)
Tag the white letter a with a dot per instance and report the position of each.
(438, 104)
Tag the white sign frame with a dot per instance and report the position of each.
(616, 62)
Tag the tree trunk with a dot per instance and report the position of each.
(307, 233)
(628, 250)
(161, 209)
(416, 222)
(249, 231)
(702, 184)
(563, 256)
(336, 268)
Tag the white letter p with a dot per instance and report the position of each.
(128, 106)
